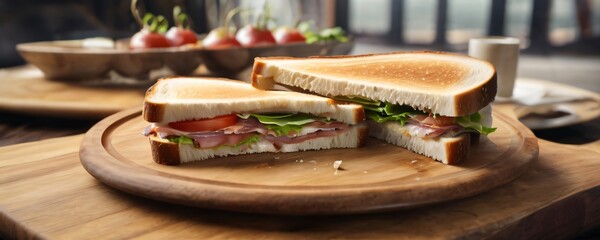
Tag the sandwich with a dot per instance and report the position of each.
(433, 103)
(194, 119)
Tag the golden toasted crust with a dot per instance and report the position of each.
(166, 153)
(153, 112)
(258, 68)
(363, 135)
(435, 85)
(473, 101)
(457, 151)
(359, 115)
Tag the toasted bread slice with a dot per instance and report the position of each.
(442, 83)
(168, 153)
(181, 99)
(185, 98)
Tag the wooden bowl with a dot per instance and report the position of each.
(70, 60)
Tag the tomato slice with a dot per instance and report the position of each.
(204, 125)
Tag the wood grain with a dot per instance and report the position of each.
(376, 177)
(24, 90)
(46, 193)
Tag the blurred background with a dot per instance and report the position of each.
(544, 26)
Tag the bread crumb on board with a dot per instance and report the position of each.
(337, 164)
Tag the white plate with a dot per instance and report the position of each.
(543, 104)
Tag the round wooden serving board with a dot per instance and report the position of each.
(376, 177)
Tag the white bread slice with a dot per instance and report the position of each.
(165, 152)
(185, 98)
(449, 150)
(442, 83)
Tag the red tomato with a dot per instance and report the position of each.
(204, 125)
(146, 39)
(435, 121)
(288, 35)
(252, 36)
(218, 38)
(181, 36)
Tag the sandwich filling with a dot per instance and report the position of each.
(422, 124)
(243, 130)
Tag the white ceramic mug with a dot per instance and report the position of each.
(503, 53)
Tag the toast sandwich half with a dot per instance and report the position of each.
(194, 119)
(432, 103)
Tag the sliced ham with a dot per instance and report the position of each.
(428, 131)
(220, 139)
(321, 126)
(162, 130)
(432, 120)
(246, 128)
(430, 127)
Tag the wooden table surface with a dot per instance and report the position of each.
(22, 128)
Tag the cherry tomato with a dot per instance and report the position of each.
(204, 125)
(219, 38)
(251, 36)
(180, 36)
(435, 121)
(147, 39)
(288, 35)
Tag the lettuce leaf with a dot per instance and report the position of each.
(284, 124)
(282, 119)
(472, 122)
(381, 112)
(284, 130)
(247, 141)
(381, 118)
(188, 140)
(180, 140)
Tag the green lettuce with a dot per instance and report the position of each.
(181, 139)
(247, 141)
(282, 119)
(472, 122)
(188, 140)
(284, 124)
(284, 130)
(382, 112)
